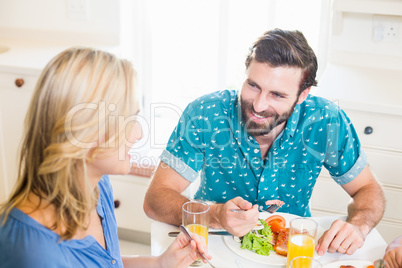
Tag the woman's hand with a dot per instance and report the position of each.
(393, 253)
(183, 252)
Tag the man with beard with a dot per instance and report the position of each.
(268, 142)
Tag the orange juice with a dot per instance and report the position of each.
(300, 245)
(199, 229)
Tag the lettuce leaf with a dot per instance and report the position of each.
(260, 245)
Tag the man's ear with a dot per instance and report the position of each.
(303, 95)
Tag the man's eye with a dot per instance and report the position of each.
(252, 84)
(276, 95)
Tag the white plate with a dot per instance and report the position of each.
(273, 258)
(355, 263)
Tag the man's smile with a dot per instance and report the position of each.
(259, 118)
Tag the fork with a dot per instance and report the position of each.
(271, 209)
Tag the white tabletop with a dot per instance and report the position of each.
(222, 256)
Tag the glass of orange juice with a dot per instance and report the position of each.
(196, 220)
(302, 234)
(304, 262)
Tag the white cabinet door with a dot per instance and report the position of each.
(14, 102)
(130, 191)
(2, 164)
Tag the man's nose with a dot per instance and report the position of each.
(261, 103)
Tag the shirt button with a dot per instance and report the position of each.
(113, 261)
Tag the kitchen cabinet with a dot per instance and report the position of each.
(388, 7)
(20, 66)
(16, 89)
(129, 192)
(2, 164)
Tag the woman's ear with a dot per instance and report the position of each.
(303, 95)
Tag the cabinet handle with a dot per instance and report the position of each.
(19, 82)
(368, 130)
(116, 203)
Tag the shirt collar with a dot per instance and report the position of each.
(291, 124)
(99, 208)
(238, 125)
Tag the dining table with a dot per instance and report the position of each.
(224, 257)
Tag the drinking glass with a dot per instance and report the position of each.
(196, 220)
(304, 262)
(302, 234)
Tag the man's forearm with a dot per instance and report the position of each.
(165, 206)
(367, 208)
(214, 220)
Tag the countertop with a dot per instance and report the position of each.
(31, 56)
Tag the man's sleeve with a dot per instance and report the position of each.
(185, 149)
(344, 157)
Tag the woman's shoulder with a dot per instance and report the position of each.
(25, 242)
(21, 229)
(18, 225)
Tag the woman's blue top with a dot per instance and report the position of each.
(26, 243)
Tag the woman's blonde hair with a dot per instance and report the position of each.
(71, 120)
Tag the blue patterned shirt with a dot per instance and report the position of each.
(24, 242)
(211, 139)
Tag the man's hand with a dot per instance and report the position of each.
(364, 212)
(236, 223)
(341, 237)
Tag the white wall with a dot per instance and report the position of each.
(19, 18)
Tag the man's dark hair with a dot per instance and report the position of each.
(286, 48)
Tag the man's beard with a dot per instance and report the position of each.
(256, 129)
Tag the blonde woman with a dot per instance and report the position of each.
(79, 127)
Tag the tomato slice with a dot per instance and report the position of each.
(277, 223)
